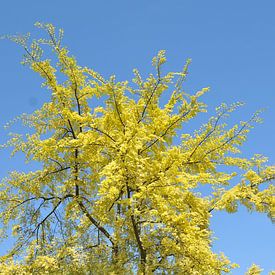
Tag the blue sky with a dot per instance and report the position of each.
(232, 47)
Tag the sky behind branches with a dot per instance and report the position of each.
(232, 47)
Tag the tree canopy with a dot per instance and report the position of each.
(118, 191)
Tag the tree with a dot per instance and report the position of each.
(115, 193)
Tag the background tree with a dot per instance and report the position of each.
(115, 192)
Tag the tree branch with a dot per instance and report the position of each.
(165, 132)
(96, 223)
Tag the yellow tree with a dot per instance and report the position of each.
(115, 193)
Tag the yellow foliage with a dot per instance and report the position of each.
(254, 270)
(115, 193)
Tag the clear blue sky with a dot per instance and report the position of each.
(231, 43)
